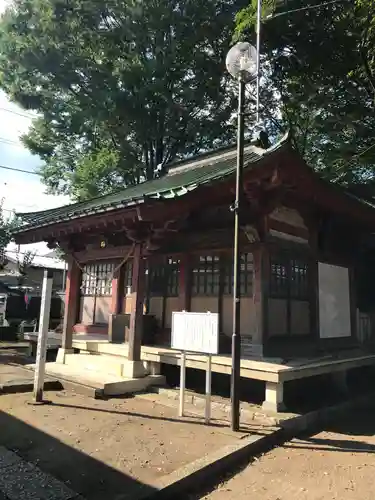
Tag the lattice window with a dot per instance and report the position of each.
(172, 274)
(299, 280)
(89, 280)
(164, 278)
(97, 279)
(279, 278)
(289, 278)
(246, 275)
(157, 279)
(128, 277)
(206, 276)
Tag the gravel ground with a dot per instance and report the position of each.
(105, 447)
(338, 463)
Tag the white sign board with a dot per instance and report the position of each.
(334, 301)
(195, 332)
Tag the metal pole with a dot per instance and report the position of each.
(182, 384)
(41, 354)
(236, 336)
(259, 14)
(207, 413)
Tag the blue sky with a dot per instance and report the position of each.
(14, 185)
(21, 191)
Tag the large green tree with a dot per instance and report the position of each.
(122, 87)
(318, 81)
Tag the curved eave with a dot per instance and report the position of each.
(166, 195)
(161, 195)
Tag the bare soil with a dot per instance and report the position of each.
(109, 447)
(336, 464)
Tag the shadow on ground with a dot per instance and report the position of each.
(83, 474)
(352, 426)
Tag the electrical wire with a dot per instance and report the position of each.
(308, 7)
(352, 160)
(10, 142)
(20, 170)
(19, 113)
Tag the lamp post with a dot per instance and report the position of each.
(241, 63)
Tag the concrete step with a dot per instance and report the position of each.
(98, 384)
(105, 364)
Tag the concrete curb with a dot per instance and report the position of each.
(20, 386)
(26, 383)
(209, 469)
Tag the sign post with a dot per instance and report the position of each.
(196, 333)
(208, 390)
(41, 353)
(182, 383)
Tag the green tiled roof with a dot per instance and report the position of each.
(183, 177)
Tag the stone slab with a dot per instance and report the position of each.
(24, 481)
(15, 378)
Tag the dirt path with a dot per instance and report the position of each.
(336, 464)
(105, 448)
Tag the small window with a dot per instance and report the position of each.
(206, 276)
(157, 280)
(289, 278)
(164, 278)
(299, 285)
(279, 278)
(172, 272)
(128, 277)
(246, 275)
(97, 279)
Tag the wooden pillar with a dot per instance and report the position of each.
(260, 297)
(117, 291)
(73, 281)
(115, 332)
(314, 283)
(184, 284)
(136, 314)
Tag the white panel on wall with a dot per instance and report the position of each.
(334, 301)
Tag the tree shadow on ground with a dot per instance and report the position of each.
(92, 479)
(341, 445)
(359, 423)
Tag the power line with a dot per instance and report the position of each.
(10, 142)
(19, 113)
(308, 7)
(20, 170)
(352, 160)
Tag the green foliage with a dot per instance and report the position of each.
(121, 86)
(7, 226)
(318, 82)
(24, 262)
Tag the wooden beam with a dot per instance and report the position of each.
(117, 290)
